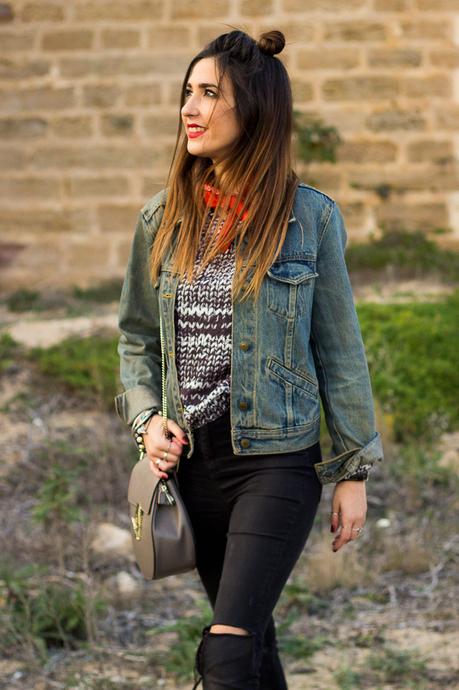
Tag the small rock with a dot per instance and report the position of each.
(112, 541)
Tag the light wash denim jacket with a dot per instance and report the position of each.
(300, 343)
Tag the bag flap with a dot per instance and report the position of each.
(142, 485)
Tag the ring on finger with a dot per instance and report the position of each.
(166, 452)
(357, 529)
(157, 461)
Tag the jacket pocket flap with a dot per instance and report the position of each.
(293, 271)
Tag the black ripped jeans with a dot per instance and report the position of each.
(251, 516)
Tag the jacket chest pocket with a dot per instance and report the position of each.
(290, 285)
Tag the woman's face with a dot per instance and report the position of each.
(210, 108)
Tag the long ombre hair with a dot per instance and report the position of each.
(259, 164)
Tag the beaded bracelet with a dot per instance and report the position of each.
(140, 426)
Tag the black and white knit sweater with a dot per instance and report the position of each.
(203, 323)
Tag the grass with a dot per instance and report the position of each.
(85, 365)
(9, 351)
(75, 300)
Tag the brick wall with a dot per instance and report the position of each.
(89, 107)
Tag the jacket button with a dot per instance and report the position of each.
(244, 346)
(245, 443)
(243, 405)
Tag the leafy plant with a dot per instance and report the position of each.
(315, 141)
(41, 611)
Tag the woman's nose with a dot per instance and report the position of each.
(189, 108)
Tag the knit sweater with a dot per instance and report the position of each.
(203, 324)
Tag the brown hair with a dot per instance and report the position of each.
(259, 162)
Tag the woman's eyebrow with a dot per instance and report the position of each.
(203, 86)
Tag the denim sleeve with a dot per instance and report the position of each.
(340, 361)
(139, 345)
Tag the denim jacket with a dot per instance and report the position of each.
(299, 344)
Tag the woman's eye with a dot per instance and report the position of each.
(207, 91)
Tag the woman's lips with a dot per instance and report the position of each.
(192, 134)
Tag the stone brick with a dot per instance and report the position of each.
(151, 185)
(394, 57)
(121, 38)
(438, 5)
(118, 65)
(302, 90)
(16, 40)
(446, 116)
(448, 58)
(69, 39)
(13, 158)
(409, 179)
(40, 98)
(392, 5)
(23, 69)
(144, 94)
(158, 125)
(95, 157)
(430, 151)
(167, 37)
(172, 92)
(251, 8)
(365, 151)
(25, 128)
(117, 10)
(421, 29)
(41, 12)
(73, 126)
(391, 120)
(322, 176)
(117, 125)
(356, 88)
(184, 9)
(334, 6)
(90, 186)
(355, 30)
(117, 218)
(300, 31)
(102, 95)
(88, 255)
(26, 188)
(36, 220)
(423, 87)
(412, 217)
(327, 58)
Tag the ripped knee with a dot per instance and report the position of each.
(228, 629)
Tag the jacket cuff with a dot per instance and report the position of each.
(135, 400)
(346, 464)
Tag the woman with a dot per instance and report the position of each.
(246, 265)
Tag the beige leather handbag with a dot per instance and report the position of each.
(162, 534)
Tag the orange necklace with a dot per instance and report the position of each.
(211, 196)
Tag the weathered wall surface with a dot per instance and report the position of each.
(89, 110)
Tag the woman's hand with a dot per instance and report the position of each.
(156, 443)
(349, 509)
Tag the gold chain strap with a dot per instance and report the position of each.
(163, 378)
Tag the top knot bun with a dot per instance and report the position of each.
(271, 42)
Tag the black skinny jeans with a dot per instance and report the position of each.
(251, 517)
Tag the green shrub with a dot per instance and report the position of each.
(9, 349)
(412, 355)
(412, 252)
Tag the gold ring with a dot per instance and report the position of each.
(157, 461)
(165, 454)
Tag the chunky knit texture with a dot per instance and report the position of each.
(203, 323)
